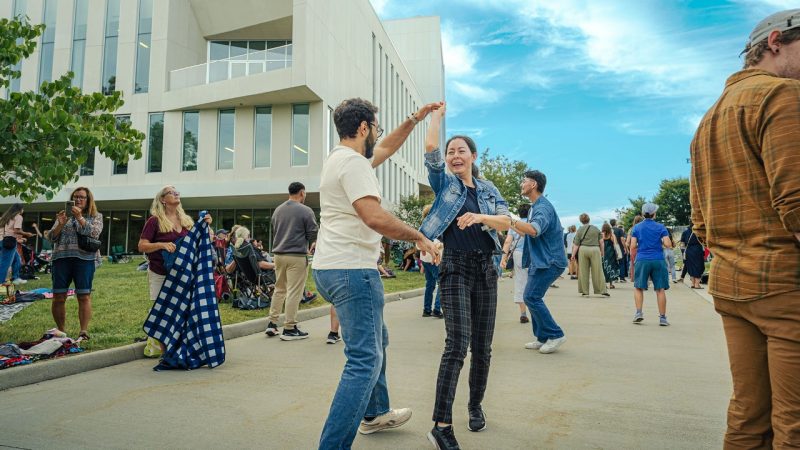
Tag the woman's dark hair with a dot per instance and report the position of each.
(606, 229)
(472, 149)
(10, 214)
(350, 113)
(539, 178)
(524, 209)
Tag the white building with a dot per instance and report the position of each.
(235, 97)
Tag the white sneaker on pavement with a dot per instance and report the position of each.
(535, 345)
(552, 345)
(392, 419)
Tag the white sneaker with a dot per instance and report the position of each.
(552, 345)
(19, 281)
(392, 419)
(535, 345)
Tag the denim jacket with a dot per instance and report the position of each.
(547, 248)
(451, 195)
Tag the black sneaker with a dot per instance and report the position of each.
(272, 330)
(293, 334)
(438, 314)
(333, 338)
(443, 438)
(477, 419)
(426, 313)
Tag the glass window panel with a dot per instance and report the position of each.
(218, 71)
(244, 217)
(142, 83)
(87, 169)
(275, 44)
(20, 7)
(226, 218)
(50, 11)
(110, 66)
(46, 63)
(112, 18)
(78, 53)
(261, 226)
(276, 54)
(256, 47)
(155, 144)
(274, 65)
(118, 232)
(238, 49)
(263, 136)
(104, 233)
(191, 130)
(238, 69)
(225, 143)
(81, 17)
(121, 168)
(136, 220)
(145, 16)
(219, 50)
(255, 67)
(300, 132)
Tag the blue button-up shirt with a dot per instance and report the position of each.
(547, 248)
(451, 195)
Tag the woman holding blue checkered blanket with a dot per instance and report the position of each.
(185, 316)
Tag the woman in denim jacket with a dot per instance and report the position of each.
(466, 213)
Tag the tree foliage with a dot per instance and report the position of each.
(45, 136)
(627, 214)
(409, 210)
(506, 175)
(673, 202)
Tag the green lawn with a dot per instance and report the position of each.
(120, 305)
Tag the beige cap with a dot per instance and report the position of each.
(781, 21)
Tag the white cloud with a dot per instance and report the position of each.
(379, 6)
(459, 58)
(476, 92)
(596, 217)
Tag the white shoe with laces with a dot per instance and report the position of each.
(552, 345)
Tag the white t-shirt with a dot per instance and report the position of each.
(344, 241)
(10, 228)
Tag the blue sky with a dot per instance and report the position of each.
(601, 96)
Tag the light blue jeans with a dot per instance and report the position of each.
(539, 280)
(431, 280)
(9, 258)
(357, 295)
(669, 256)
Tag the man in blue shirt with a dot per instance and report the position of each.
(543, 255)
(650, 238)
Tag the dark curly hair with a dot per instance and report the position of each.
(349, 115)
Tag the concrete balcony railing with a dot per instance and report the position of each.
(228, 69)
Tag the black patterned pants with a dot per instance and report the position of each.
(468, 282)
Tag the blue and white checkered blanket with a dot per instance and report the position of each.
(185, 316)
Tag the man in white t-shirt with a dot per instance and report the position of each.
(352, 222)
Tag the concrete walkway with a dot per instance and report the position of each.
(613, 385)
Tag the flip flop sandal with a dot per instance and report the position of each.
(84, 336)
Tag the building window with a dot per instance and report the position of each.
(121, 168)
(110, 48)
(233, 59)
(79, 41)
(87, 168)
(226, 145)
(191, 132)
(20, 8)
(155, 143)
(262, 146)
(142, 83)
(300, 133)
(48, 42)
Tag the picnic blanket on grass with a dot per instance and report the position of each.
(185, 316)
(8, 311)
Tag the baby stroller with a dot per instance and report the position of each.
(255, 286)
(31, 263)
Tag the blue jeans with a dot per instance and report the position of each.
(431, 279)
(9, 258)
(357, 295)
(539, 280)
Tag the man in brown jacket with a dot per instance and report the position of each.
(746, 207)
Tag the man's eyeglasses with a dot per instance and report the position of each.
(379, 130)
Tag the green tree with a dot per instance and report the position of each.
(673, 202)
(45, 136)
(409, 210)
(626, 215)
(506, 175)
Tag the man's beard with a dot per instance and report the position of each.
(369, 147)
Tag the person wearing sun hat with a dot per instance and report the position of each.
(745, 196)
(649, 238)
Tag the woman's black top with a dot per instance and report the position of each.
(471, 238)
